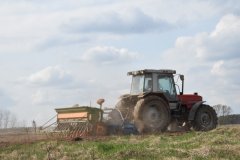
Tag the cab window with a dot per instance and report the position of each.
(166, 85)
(148, 84)
(141, 83)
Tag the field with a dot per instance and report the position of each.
(221, 143)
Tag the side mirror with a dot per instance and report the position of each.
(182, 77)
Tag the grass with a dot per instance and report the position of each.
(221, 143)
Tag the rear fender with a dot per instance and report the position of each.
(194, 110)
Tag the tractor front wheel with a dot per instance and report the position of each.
(205, 119)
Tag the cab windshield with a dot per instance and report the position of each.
(166, 85)
(141, 83)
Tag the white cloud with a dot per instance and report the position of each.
(182, 11)
(118, 22)
(109, 17)
(221, 43)
(52, 75)
(228, 25)
(108, 55)
(218, 69)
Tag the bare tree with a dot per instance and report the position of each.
(222, 110)
(13, 121)
(1, 118)
(218, 109)
(6, 119)
(226, 110)
(34, 125)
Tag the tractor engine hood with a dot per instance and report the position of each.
(189, 99)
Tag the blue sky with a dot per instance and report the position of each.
(62, 52)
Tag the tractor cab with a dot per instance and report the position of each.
(155, 81)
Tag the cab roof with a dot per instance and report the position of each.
(145, 71)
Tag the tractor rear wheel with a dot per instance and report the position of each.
(205, 119)
(151, 114)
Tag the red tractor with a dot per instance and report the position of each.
(156, 100)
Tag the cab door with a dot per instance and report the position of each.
(165, 84)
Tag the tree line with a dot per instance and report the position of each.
(225, 116)
(7, 119)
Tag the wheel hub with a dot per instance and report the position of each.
(205, 119)
(151, 117)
